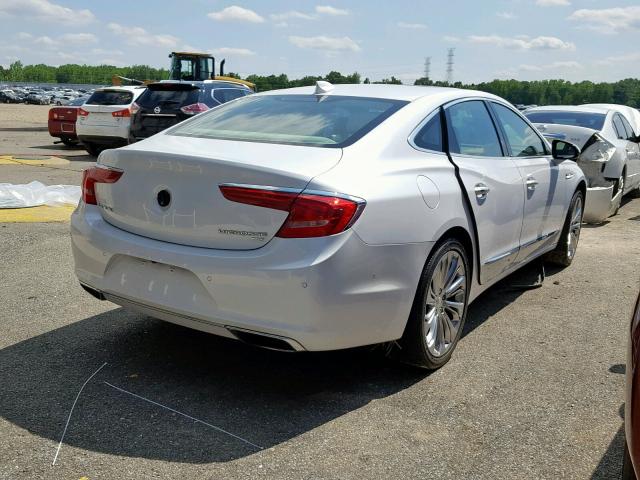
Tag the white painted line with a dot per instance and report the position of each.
(187, 416)
(55, 458)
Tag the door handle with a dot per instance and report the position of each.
(531, 183)
(569, 175)
(481, 191)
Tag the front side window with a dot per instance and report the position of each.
(521, 138)
(330, 121)
(627, 127)
(430, 136)
(471, 130)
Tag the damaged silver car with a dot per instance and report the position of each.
(610, 151)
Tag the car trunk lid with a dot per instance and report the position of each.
(190, 171)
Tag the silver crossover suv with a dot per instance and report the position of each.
(328, 217)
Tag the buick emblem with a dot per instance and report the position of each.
(164, 198)
(156, 110)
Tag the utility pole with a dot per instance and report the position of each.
(450, 66)
(427, 68)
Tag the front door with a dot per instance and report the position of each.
(492, 182)
(544, 202)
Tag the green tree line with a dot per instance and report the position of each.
(540, 92)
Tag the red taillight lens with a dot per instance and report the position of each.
(94, 175)
(82, 112)
(310, 215)
(121, 113)
(194, 108)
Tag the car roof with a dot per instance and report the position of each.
(391, 92)
(570, 108)
(122, 88)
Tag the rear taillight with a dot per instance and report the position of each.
(121, 113)
(310, 214)
(53, 115)
(134, 108)
(194, 108)
(94, 175)
(82, 112)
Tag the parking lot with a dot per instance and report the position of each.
(534, 390)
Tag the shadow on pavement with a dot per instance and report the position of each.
(262, 396)
(610, 465)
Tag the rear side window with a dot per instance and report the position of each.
(627, 127)
(430, 136)
(471, 130)
(168, 98)
(330, 121)
(224, 95)
(110, 97)
(522, 139)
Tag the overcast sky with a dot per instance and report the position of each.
(596, 40)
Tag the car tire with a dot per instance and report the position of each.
(628, 472)
(439, 308)
(69, 142)
(92, 149)
(565, 251)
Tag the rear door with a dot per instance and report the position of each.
(492, 182)
(544, 181)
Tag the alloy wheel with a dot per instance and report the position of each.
(445, 303)
(574, 228)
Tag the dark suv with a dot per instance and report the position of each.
(164, 104)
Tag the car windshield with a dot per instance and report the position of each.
(330, 121)
(110, 97)
(594, 121)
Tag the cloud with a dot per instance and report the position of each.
(412, 26)
(235, 52)
(139, 36)
(105, 51)
(632, 58)
(523, 43)
(506, 15)
(235, 13)
(451, 39)
(78, 38)
(334, 44)
(609, 20)
(290, 15)
(329, 10)
(45, 11)
(553, 3)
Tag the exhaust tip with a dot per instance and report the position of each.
(265, 341)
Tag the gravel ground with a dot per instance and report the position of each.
(535, 389)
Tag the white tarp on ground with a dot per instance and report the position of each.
(36, 193)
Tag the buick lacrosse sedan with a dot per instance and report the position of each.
(328, 217)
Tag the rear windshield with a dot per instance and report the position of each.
(293, 119)
(169, 98)
(78, 101)
(110, 97)
(594, 121)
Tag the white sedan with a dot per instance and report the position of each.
(328, 217)
(610, 156)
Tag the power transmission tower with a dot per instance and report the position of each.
(450, 66)
(427, 68)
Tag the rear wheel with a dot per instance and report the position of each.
(92, 149)
(565, 251)
(439, 310)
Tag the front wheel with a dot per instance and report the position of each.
(439, 310)
(565, 251)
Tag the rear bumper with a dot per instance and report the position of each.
(105, 134)
(62, 129)
(598, 204)
(317, 294)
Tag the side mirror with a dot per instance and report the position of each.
(562, 150)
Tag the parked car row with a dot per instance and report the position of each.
(116, 116)
(47, 95)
